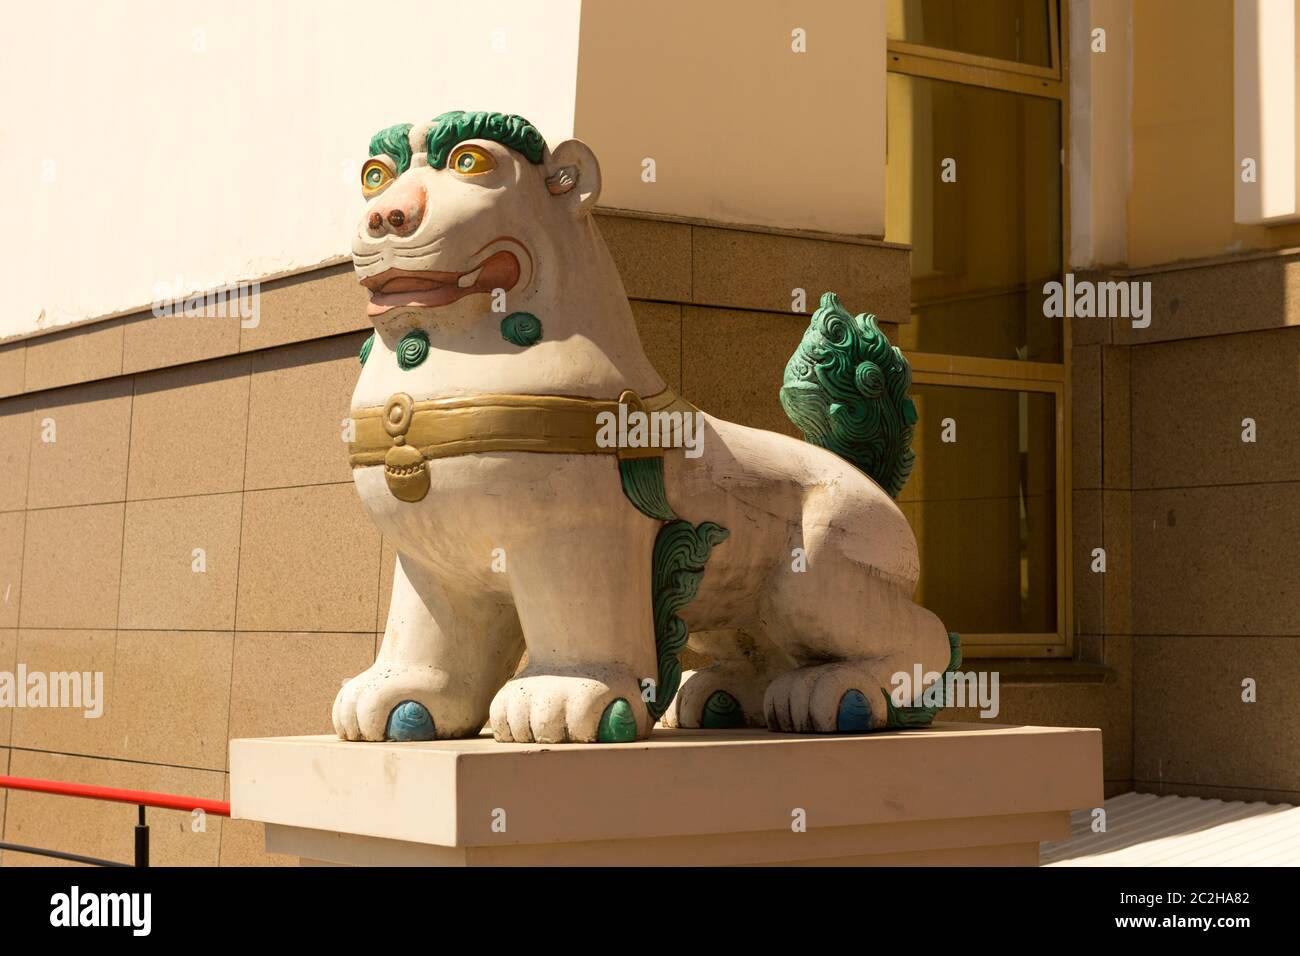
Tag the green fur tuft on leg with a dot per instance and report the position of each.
(681, 552)
(643, 483)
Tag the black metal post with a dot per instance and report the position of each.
(142, 840)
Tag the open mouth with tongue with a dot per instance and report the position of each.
(403, 288)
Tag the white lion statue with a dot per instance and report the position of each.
(546, 490)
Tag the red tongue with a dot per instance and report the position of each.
(499, 271)
(409, 284)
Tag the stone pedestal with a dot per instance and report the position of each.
(954, 794)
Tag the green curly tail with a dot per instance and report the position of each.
(846, 389)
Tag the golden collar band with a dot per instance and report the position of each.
(445, 427)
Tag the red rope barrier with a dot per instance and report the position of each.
(147, 798)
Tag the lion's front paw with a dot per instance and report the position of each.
(829, 698)
(402, 702)
(553, 709)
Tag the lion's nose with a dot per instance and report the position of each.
(398, 211)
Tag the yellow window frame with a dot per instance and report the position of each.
(959, 370)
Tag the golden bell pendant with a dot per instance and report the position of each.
(407, 473)
(405, 469)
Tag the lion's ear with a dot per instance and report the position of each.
(573, 176)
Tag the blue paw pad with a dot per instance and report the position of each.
(409, 720)
(854, 716)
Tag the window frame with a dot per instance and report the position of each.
(1004, 374)
(974, 61)
(1043, 381)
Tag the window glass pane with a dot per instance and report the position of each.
(1018, 30)
(984, 243)
(983, 508)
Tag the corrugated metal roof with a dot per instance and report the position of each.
(1143, 829)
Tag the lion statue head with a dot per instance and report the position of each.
(480, 238)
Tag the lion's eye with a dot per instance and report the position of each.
(375, 176)
(470, 161)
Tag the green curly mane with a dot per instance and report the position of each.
(846, 389)
(394, 142)
(456, 126)
(509, 130)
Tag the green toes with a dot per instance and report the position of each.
(617, 725)
(722, 711)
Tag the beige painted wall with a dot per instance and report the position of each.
(194, 143)
(197, 142)
(1184, 168)
(741, 129)
(1100, 140)
(1264, 110)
